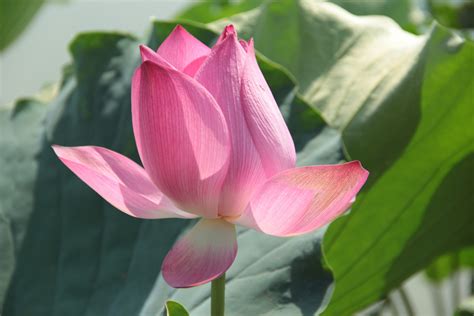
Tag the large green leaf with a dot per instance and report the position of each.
(210, 10)
(20, 133)
(15, 15)
(80, 256)
(401, 11)
(424, 201)
(404, 105)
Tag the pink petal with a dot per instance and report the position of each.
(300, 200)
(182, 137)
(149, 54)
(264, 120)
(221, 75)
(202, 255)
(229, 30)
(119, 180)
(192, 68)
(181, 49)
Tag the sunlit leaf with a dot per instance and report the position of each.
(174, 308)
(15, 15)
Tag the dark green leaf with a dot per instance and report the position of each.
(456, 14)
(20, 130)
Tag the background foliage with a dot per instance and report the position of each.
(350, 87)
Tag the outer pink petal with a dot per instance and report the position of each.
(182, 137)
(181, 49)
(119, 180)
(148, 54)
(202, 255)
(221, 75)
(300, 200)
(264, 120)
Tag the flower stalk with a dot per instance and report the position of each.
(218, 296)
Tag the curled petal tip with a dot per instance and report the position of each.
(357, 164)
(249, 47)
(229, 30)
(243, 44)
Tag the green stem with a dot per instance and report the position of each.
(218, 296)
(406, 302)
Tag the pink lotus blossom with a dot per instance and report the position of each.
(214, 145)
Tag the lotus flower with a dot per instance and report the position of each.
(214, 145)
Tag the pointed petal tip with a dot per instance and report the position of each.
(143, 48)
(119, 180)
(61, 151)
(144, 51)
(58, 150)
(179, 29)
